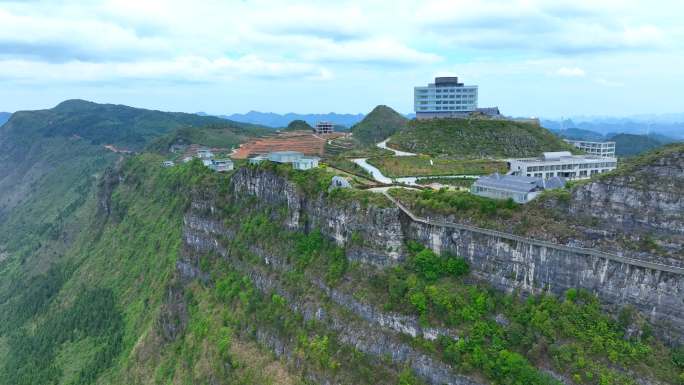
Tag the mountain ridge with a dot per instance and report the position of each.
(275, 120)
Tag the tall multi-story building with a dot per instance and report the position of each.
(562, 164)
(444, 98)
(604, 149)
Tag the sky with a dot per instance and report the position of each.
(549, 58)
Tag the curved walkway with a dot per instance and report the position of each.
(513, 237)
(383, 145)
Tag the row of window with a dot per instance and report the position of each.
(571, 166)
(425, 97)
(581, 174)
(451, 108)
(451, 102)
(459, 90)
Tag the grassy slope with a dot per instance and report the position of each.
(400, 166)
(476, 138)
(630, 144)
(223, 135)
(298, 124)
(378, 125)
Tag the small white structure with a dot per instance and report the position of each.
(168, 163)
(284, 156)
(204, 153)
(602, 149)
(305, 163)
(222, 165)
(562, 164)
(207, 162)
(339, 182)
(521, 189)
(257, 159)
(187, 159)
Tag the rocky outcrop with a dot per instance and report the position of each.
(505, 263)
(372, 234)
(510, 264)
(648, 198)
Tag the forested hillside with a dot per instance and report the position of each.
(4, 116)
(114, 270)
(378, 125)
(476, 138)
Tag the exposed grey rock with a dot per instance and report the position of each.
(506, 264)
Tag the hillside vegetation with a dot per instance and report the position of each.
(631, 144)
(4, 116)
(98, 124)
(224, 135)
(378, 125)
(51, 160)
(298, 124)
(420, 165)
(476, 138)
(114, 270)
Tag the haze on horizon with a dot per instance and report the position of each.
(546, 58)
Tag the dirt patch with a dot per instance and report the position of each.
(305, 142)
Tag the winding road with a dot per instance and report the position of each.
(409, 180)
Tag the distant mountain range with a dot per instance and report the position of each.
(626, 144)
(274, 120)
(4, 116)
(671, 125)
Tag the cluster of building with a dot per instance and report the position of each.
(527, 177)
(295, 158)
(562, 164)
(207, 158)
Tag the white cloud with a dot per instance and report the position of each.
(609, 83)
(384, 45)
(570, 72)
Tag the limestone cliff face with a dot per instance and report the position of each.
(367, 329)
(650, 198)
(372, 234)
(505, 263)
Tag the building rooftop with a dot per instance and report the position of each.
(590, 141)
(522, 184)
(291, 153)
(565, 157)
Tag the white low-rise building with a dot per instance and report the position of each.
(521, 189)
(204, 153)
(297, 159)
(562, 164)
(305, 163)
(603, 149)
(168, 163)
(222, 165)
(284, 156)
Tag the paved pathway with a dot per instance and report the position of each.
(383, 145)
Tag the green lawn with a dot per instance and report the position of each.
(457, 182)
(400, 166)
